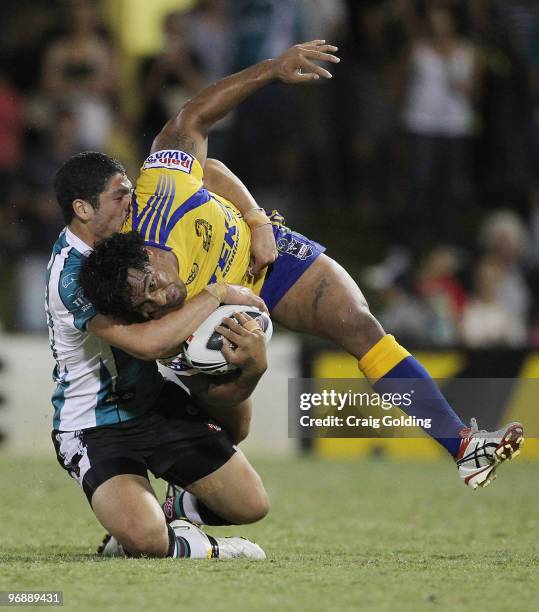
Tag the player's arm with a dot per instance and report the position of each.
(188, 129)
(164, 337)
(222, 181)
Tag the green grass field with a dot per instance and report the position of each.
(358, 535)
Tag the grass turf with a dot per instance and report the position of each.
(358, 535)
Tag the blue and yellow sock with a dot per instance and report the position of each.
(386, 364)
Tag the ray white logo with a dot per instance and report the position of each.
(170, 159)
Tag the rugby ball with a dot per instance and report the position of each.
(202, 350)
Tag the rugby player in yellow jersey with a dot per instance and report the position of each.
(194, 237)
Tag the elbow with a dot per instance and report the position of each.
(187, 120)
(144, 354)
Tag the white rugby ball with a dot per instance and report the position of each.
(202, 350)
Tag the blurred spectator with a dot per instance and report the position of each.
(519, 18)
(366, 103)
(263, 28)
(330, 155)
(79, 71)
(400, 310)
(208, 32)
(487, 321)
(168, 79)
(50, 149)
(267, 135)
(38, 220)
(322, 19)
(505, 237)
(508, 124)
(38, 225)
(439, 287)
(438, 116)
(406, 316)
(11, 135)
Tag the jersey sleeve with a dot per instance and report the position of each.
(73, 298)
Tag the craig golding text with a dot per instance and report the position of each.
(356, 421)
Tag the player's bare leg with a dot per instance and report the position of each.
(233, 494)
(326, 302)
(128, 509)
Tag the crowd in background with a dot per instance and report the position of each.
(417, 165)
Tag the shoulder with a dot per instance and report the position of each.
(64, 289)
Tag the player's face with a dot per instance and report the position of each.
(158, 288)
(114, 203)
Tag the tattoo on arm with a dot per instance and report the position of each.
(180, 142)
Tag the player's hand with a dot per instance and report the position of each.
(236, 294)
(297, 64)
(263, 248)
(244, 343)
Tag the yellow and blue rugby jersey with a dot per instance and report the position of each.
(172, 210)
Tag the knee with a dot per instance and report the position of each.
(257, 508)
(355, 328)
(147, 540)
(357, 322)
(254, 508)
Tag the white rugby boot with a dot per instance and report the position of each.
(110, 547)
(234, 547)
(209, 547)
(482, 452)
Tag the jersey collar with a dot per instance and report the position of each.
(76, 242)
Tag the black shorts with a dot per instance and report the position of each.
(175, 440)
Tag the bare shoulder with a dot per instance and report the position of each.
(175, 141)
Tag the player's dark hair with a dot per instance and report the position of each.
(103, 275)
(84, 176)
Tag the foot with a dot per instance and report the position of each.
(482, 452)
(110, 547)
(219, 548)
(235, 548)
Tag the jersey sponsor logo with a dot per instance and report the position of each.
(80, 300)
(177, 160)
(204, 229)
(228, 251)
(193, 274)
(119, 397)
(168, 508)
(69, 279)
(294, 247)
